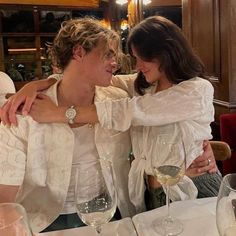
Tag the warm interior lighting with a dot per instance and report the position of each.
(146, 2)
(124, 24)
(23, 50)
(105, 23)
(121, 2)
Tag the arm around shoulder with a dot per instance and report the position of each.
(25, 97)
(39, 85)
(189, 100)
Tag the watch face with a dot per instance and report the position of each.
(71, 114)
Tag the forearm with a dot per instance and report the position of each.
(42, 84)
(84, 115)
(87, 115)
(160, 108)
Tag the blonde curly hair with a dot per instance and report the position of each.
(86, 32)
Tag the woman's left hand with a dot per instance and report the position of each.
(204, 163)
(44, 110)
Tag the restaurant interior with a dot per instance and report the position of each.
(27, 27)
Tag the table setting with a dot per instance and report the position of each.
(122, 227)
(214, 216)
(197, 216)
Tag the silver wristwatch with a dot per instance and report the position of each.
(71, 114)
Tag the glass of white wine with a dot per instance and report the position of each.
(226, 206)
(169, 168)
(13, 220)
(96, 202)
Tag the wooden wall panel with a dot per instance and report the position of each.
(232, 38)
(222, 86)
(2, 68)
(210, 25)
(159, 3)
(226, 87)
(187, 19)
(201, 23)
(76, 3)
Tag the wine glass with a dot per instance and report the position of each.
(169, 167)
(226, 206)
(13, 220)
(95, 198)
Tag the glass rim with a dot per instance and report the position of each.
(18, 218)
(226, 181)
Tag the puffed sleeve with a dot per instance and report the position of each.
(189, 100)
(13, 151)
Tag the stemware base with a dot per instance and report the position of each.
(168, 226)
(98, 230)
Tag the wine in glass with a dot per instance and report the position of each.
(96, 203)
(169, 168)
(13, 220)
(226, 206)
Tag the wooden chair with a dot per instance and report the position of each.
(221, 150)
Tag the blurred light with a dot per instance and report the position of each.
(146, 2)
(16, 50)
(124, 24)
(105, 23)
(121, 2)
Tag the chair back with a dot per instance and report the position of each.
(221, 150)
(228, 135)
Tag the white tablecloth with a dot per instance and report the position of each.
(122, 227)
(197, 216)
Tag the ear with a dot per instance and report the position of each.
(78, 52)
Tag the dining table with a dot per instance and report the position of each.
(198, 217)
(123, 227)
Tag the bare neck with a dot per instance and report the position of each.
(75, 91)
(163, 84)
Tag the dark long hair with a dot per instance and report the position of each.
(158, 38)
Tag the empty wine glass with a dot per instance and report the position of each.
(226, 206)
(13, 220)
(95, 202)
(169, 167)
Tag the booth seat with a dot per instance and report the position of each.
(228, 135)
